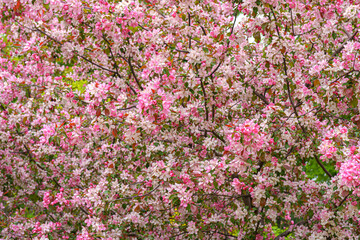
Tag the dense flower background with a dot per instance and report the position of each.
(179, 119)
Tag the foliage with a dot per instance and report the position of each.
(313, 171)
(179, 119)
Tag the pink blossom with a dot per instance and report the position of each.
(350, 173)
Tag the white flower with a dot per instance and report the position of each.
(351, 11)
(192, 228)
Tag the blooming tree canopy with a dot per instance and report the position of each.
(179, 119)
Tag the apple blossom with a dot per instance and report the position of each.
(179, 119)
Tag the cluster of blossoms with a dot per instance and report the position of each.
(332, 138)
(350, 172)
(179, 119)
(154, 102)
(246, 140)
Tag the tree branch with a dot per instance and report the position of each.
(133, 73)
(137, 196)
(292, 23)
(323, 167)
(261, 97)
(218, 136)
(342, 46)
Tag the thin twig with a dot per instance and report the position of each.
(205, 100)
(345, 74)
(342, 46)
(261, 97)
(136, 196)
(218, 136)
(133, 73)
(74, 51)
(276, 26)
(292, 23)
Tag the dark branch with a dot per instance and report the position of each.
(342, 46)
(133, 73)
(261, 97)
(322, 166)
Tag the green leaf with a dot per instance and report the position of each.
(354, 102)
(255, 11)
(216, 185)
(257, 36)
(334, 35)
